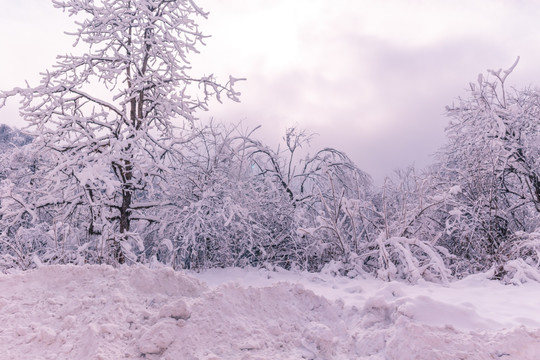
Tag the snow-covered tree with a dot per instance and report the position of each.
(108, 121)
(492, 162)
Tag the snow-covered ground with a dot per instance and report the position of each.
(98, 312)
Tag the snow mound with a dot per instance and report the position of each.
(98, 312)
(90, 312)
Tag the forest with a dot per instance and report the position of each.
(115, 167)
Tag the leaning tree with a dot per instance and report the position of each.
(106, 122)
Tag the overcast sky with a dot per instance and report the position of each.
(372, 78)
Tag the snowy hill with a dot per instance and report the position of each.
(98, 312)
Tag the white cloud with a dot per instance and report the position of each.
(371, 76)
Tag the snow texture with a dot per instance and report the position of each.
(98, 312)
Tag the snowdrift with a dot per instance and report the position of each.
(98, 312)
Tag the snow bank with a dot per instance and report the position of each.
(97, 312)
(93, 312)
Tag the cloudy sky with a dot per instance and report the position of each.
(370, 77)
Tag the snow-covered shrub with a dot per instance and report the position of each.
(411, 259)
(220, 212)
(517, 272)
(518, 261)
(401, 230)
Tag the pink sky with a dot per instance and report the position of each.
(371, 77)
